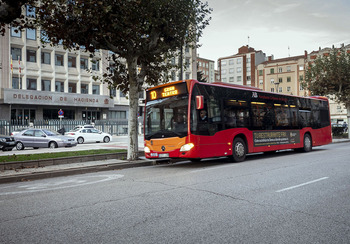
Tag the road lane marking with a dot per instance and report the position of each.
(303, 184)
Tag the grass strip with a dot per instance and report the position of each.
(37, 156)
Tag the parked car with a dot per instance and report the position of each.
(18, 130)
(42, 138)
(83, 126)
(82, 135)
(7, 143)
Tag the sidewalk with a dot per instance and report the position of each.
(28, 174)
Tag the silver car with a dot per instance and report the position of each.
(42, 138)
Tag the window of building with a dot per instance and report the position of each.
(173, 75)
(223, 62)
(95, 65)
(232, 71)
(84, 89)
(72, 61)
(272, 89)
(31, 56)
(248, 78)
(231, 62)
(72, 87)
(301, 77)
(31, 84)
(15, 32)
(289, 79)
(272, 71)
(288, 88)
(96, 89)
(16, 53)
(84, 63)
(248, 69)
(59, 60)
(280, 80)
(117, 115)
(45, 85)
(224, 79)
(187, 75)
(30, 11)
(232, 79)
(31, 34)
(45, 58)
(280, 70)
(260, 72)
(121, 94)
(280, 89)
(301, 88)
(16, 83)
(288, 69)
(239, 61)
(223, 71)
(59, 86)
(44, 37)
(301, 67)
(248, 60)
(239, 78)
(239, 70)
(112, 92)
(272, 81)
(261, 81)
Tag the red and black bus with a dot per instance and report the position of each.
(194, 120)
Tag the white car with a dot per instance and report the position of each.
(82, 135)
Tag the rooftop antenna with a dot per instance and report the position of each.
(288, 51)
(248, 41)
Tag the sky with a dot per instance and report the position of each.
(277, 27)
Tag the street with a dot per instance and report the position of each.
(287, 197)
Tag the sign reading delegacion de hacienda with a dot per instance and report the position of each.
(14, 96)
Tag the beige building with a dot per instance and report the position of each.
(282, 75)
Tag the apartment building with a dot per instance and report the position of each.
(188, 59)
(206, 66)
(282, 75)
(240, 68)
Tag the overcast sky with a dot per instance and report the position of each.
(275, 25)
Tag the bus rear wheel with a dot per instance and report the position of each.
(307, 143)
(239, 150)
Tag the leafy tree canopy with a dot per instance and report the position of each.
(329, 74)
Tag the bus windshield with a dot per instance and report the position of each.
(166, 117)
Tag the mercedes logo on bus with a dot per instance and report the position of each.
(163, 148)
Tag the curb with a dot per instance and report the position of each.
(74, 171)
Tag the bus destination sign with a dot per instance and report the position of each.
(167, 91)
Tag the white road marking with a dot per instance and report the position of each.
(61, 184)
(306, 183)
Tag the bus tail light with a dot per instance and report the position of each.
(186, 147)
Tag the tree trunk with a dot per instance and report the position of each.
(133, 109)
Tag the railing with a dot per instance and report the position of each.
(112, 127)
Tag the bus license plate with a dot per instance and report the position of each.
(164, 155)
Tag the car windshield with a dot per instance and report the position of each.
(166, 117)
(51, 133)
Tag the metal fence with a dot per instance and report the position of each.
(119, 127)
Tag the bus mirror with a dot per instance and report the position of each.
(199, 102)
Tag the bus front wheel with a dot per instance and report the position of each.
(239, 150)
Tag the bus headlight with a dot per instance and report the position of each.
(186, 147)
(146, 150)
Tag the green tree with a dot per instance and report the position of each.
(329, 75)
(200, 77)
(142, 34)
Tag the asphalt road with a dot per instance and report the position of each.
(286, 197)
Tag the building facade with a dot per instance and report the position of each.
(240, 68)
(207, 67)
(282, 75)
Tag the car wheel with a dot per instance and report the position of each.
(52, 145)
(80, 140)
(307, 143)
(19, 146)
(239, 150)
(106, 139)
